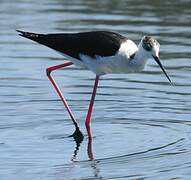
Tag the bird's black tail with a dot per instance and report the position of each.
(33, 36)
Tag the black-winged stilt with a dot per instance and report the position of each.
(102, 52)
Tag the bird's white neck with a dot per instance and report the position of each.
(140, 59)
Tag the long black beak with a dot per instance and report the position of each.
(159, 63)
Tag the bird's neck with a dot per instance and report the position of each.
(140, 59)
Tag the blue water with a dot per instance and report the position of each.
(141, 124)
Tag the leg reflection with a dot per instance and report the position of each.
(94, 163)
(90, 149)
(78, 138)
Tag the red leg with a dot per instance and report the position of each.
(48, 71)
(90, 110)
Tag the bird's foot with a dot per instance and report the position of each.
(77, 135)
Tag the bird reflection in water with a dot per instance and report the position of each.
(78, 138)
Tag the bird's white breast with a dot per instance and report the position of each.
(128, 48)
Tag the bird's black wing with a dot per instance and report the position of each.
(94, 43)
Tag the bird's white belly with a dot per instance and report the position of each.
(111, 64)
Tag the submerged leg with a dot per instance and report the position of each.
(48, 71)
(90, 110)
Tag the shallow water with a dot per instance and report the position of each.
(141, 124)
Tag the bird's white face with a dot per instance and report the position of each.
(152, 46)
(155, 50)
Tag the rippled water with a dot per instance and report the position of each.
(141, 124)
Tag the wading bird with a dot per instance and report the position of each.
(102, 52)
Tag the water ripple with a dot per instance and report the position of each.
(141, 124)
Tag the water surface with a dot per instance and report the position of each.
(141, 124)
